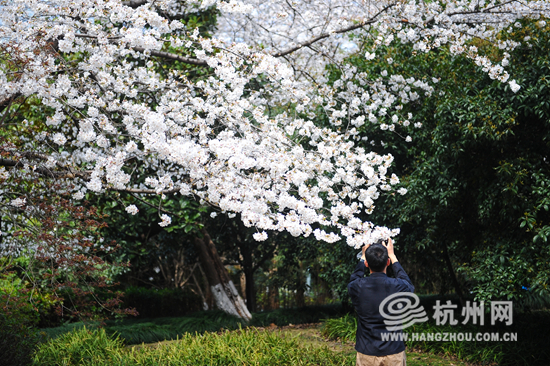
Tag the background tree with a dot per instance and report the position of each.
(477, 170)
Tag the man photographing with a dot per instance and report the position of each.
(366, 295)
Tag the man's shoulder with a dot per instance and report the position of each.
(401, 285)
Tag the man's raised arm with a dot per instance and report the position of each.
(400, 274)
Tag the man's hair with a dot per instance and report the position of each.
(377, 256)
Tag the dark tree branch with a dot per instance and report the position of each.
(147, 191)
(5, 103)
(326, 35)
(134, 3)
(171, 56)
(67, 173)
(194, 61)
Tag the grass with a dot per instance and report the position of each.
(251, 346)
(342, 328)
(241, 347)
(531, 348)
(208, 338)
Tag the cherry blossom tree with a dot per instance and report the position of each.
(236, 129)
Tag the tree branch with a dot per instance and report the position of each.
(5, 103)
(171, 56)
(194, 61)
(134, 3)
(326, 35)
(66, 173)
(147, 191)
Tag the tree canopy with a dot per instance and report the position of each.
(233, 104)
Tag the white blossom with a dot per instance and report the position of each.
(260, 236)
(514, 86)
(4, 174)
(18, 202)
(59, 139)
(166, 220)
(78, 195)
(123, 125)
(132, 209)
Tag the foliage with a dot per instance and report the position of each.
(52, 246)
(81, 347)
(20, 300)
(242, 347)
(477, 170)
(340, 328)
(18, 341)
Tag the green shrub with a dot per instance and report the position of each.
(17, 342)
(21, 300)
(80, 347)
(341, 328)
(240, 347)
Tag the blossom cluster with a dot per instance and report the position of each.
(257, 152)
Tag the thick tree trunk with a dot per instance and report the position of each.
(223, 290)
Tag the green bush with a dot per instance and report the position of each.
(241, 347)
(342, 328)
(20, 299)
(80, 347)
(17, 342)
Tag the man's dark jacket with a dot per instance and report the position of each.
(366, 295)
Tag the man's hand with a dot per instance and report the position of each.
(391, 253)
(365, 247)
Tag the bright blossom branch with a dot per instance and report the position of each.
(243, 138)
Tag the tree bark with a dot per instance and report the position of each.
(223, 290)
